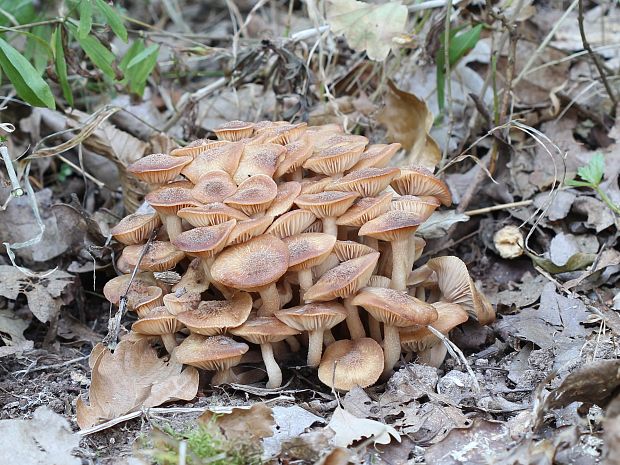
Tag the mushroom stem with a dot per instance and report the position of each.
(170, 342)
(206, 267)
(420, 293)
(400, 260)
(305, 282)
(433, 356)
(273, 369)
(391, 348)
(173, 224)
(297, 175)
(354, 323)
(271, 300)
(328, 337)
(315, 347)
(330, 226)
(225, 376)
(375, 328)
(370, 242)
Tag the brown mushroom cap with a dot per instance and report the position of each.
(420, 181)
(197, 147)
(224, 157)
(364, 210)
(327, 204)
(158, 168)
(169, 200)
(160, 256)
(218, 316)
(331, 137)
(347, 364)
(206, 241)
(211, 214)
(367, 182)
(251, 265)
(344, 280)
(287, 193)
(379, 281)
(194, 278)
(258, 159)
(296, 153)
(246, 230)
(392, 225)
(282, 132)
(348, 250)
(315, 184)
(308, 249)
(158, 321)
(264, 329)
(215, 353)
(234, 130)
(334, 159)
(395, 308)
(376, 156)
(181, 301)
(135, 228)
(214, 186)
(116, 287)
(418, 339)
(254, 195)
(423, 207)
(291, 223)
(313, 316)
(152, 298)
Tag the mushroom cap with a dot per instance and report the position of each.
(308, 249)
(214, 353)
(197, 147)
(251, 265)
(144, 303)
(377, 156)
(254, 194)
(328, 203)
(315, 184)
(264, 329)
(364, 210)
(234, 130)
(422, 206)
(334, 159)
(157, 322)
(315, 316)
(457, 287)
(223, 157)
(346, 364)
(214, 186)
(160, 256)
(135, 228)
(296, 153)
(379, 281)
(168, 200)
(316, 226)
(218, 316)
(181, 300)
(114, 289)
(211, 214)
(291, 223)
(158, 168)
(287, 193)
(258, 159)
(206, 241)
(391, 225)
(417, 339)
(367, 182)
(348, 250)
(344, 280)
(420, 181)
(395, 308)
(246, 230)
(282, 132)
(330, 137)
(194, 279)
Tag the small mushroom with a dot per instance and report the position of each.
(214, 186)
(159, 168)
(234, 130)
(211, 214)
(159, 322)
(135, 228)
(334, 160)
(167, 201)
(218, 316)
(286, 195)
(296, 153)
(223, 157)
(254, 195)
(291, 223)
(367, 182)
(258, 159)
(159, 256)
(421, 182)
(377, 156)
(181, 300)
(328, 206)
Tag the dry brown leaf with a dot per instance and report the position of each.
(131, 378)
(245, 424)
(349, 428)
(408, 121)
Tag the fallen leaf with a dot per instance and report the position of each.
(45, 295)
(439, 222)
(576, 262)
(525, 293)
(250, 424)
(290, 423)
(349, 429)
(609, 258)
(46, 439)
(12, 328)
(366, 26)
(131, 378)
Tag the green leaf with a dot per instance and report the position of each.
(575, 183)
(113, 18)
(137, 64)
(22, 11)
(101, 57)
(461, 44)
(61, 65)
(26, 80)
(86, 18)
(38, 50)
(593, 171)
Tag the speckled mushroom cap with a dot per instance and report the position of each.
(251, 265)
(346, 364)
(246, 230)
(313, 316)
(160, 256)
(194, 279)
(214, 186)
(417, 339)
(308, 249)
(254, 195)
(376, 156)
(206, 241)
(457, 287)
(296, 153)
(258, 159)
(117, 286)
(344, 280)
(392, 225)
(158, 321)
(367, 182)
(135, 228)
(334, 159)
(234, 130)
(395, 308)
(423, 206)
(364, 210)
(181, 300)
(285, 197)
(218, 316)
(348, 250)
(328, 203)
(224, 157)
(211, 214)
(291, 223)
(158, 168)
(144, 303)
(263, 330)
(282, 132)
(324, 139)
(420, 181)
(315, 184)
(214, 353)
(197, 147)
(170, 199)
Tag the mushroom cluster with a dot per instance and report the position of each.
(288, 237)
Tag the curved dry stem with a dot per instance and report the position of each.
(400, 260)
(315, 347)
(271, 300)
(433, 356)
(273, 369)
(170, 342)
(354, 323)
(305, 282)
(391, 349)
(173, 224)
(375, 329)
(226, 376)
(330, 226)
